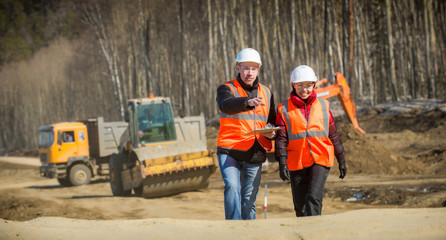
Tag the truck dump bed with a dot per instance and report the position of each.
(103, 139)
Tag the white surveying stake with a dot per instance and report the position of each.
(266, 200)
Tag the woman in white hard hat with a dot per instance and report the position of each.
(245, 105)
(307, 143)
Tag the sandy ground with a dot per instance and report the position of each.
(395, 189)
(359, 224)
(37, 208)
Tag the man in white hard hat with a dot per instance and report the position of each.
(307, 143)
(245, 106)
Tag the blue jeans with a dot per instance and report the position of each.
(242, 181)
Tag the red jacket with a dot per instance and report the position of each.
(281, 142)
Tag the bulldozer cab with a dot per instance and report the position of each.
(151, 121)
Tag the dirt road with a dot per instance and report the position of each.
(368, 224)
(25, 195)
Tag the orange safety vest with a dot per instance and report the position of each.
(234, 126)
(308, 141)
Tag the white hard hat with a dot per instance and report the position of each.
(303, 73)
(248, 55)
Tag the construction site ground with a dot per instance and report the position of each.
(399, 163)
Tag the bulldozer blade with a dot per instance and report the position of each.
(176, 182)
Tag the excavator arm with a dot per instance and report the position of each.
(340, 88)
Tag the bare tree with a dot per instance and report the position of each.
(92, 16)
(338, 46)
(390, 51)
(221, 8)
(351, 43)
(429, 44)
(293, 31)
(211, 56)
(184, 78)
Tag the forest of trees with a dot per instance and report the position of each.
(64, 60)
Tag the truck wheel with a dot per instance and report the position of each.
(65, 182)
(115, 168)
(80, 175)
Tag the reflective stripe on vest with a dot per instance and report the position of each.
(233, 126)
(308, 139)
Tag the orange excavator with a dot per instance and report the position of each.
(339, 87)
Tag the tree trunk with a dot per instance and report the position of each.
(267, 54)
(93, 17)
(211, 62)
(351, 39)
(412, 42)
(390, 51)
(338, 46)
(222, 25)
(184, 78)
(293, 31)
(430, 41)
(366, 59)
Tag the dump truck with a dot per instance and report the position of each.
(74, 152)
(159, 154)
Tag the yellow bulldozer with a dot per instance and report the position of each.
(160, 155)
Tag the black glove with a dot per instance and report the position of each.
(342, 169)
(283, 169)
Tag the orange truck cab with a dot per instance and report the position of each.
(74, 152)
